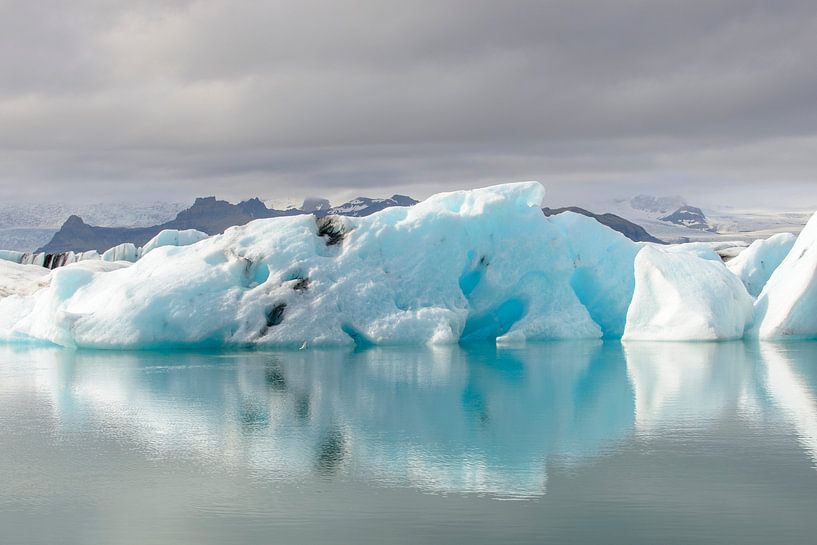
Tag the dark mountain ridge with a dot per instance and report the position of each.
(627, 228)
(213, 216)
(207, 214)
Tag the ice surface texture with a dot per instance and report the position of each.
(466, 266)
(756, 263)
(683, 297)
(787, 305)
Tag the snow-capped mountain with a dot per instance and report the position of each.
(673, 219)
(691, 217)
(364, 206)
(657, 205)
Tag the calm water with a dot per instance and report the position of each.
(556, 443)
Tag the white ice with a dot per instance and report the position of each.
(173, 237)
(462, 266)
(787, 305)
(755, 264)
(126, 251)
(682, 297)
(16, 279)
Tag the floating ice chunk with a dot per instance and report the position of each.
(755, 265)
(682, 297)
(11, 255)
(49, 261)
(173, 237)
(787, 305)
(123, 252)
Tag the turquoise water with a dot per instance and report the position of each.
(552, 443)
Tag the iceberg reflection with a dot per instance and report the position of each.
(477, 420)
(481, 419)
(790, 378)
(678, 384)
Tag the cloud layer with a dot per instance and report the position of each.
(240, 97)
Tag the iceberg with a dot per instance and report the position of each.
(127, 251)
(787, 305)
(172, 237)
(463, 266)
(603, 277)
(755, 265)
(12, 256)
(49, 261)
(682, 297)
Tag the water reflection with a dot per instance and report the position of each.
(791, 378)
(449, 419)
(681, 384)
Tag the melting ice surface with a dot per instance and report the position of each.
(459, 267)
(639, 443)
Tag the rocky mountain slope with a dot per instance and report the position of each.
(691, 217)
(208, 215)
(627, 228)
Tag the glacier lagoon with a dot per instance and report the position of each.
(561, 442)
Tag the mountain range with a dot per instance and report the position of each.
(674, 220)
(212, 216)
(207, 214)
(95, 227)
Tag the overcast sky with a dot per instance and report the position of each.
(150, 99)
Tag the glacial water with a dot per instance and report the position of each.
(553, 443)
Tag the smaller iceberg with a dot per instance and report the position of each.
(681, 297)
(787, 305)
(755, 265)
(172, 237)
(127, 251)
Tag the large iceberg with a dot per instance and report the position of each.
(468, 265)
(459, 267)
(787, 305)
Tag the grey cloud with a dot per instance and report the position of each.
(332, 97)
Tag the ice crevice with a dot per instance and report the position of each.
(464, 266)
